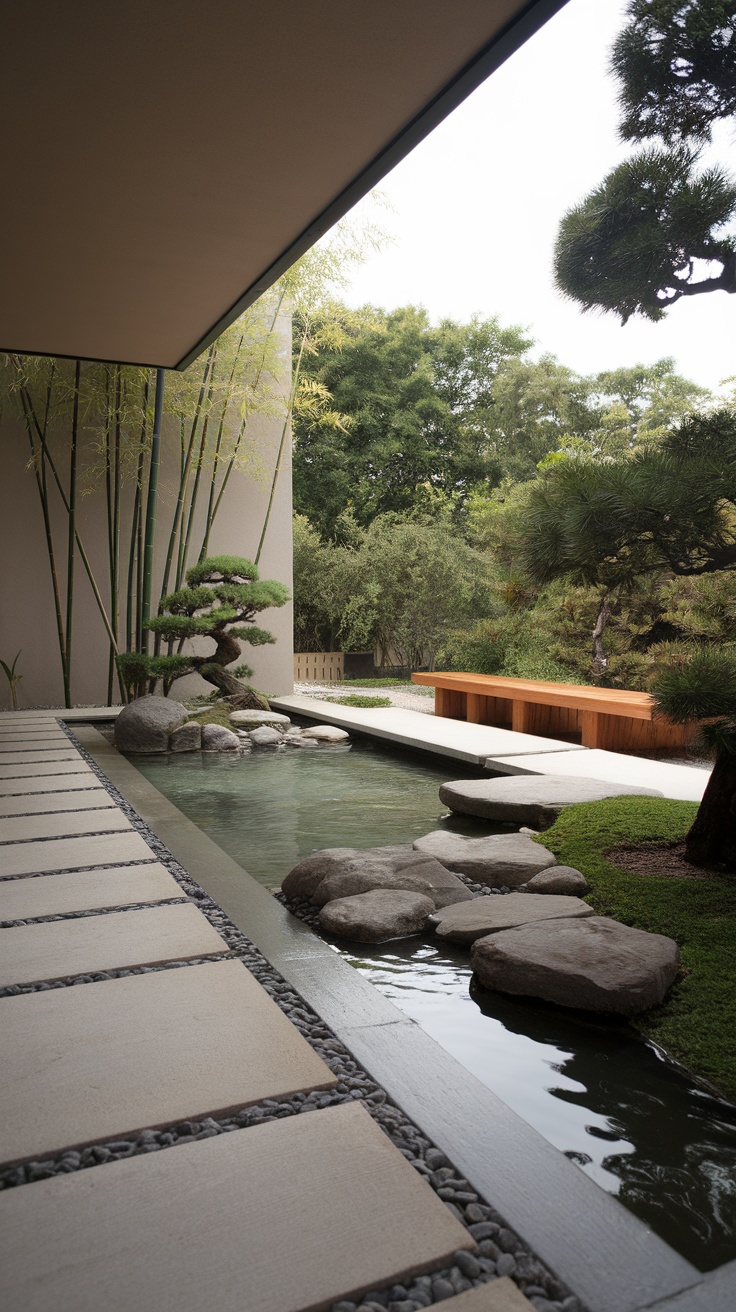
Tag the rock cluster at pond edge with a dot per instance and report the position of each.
(498, 861)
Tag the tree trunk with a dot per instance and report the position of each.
(711, 841)
(222, 678)
(600, 660)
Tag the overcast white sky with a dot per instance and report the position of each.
(476, 208)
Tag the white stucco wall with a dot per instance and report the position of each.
(27, 619)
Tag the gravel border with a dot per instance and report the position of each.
(500, 1251)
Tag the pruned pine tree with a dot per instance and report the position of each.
(656, 229)
(221, 599)
(703, 687)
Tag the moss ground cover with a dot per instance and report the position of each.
(355, 700)
(697, 1023)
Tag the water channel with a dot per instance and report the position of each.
(610, 1101)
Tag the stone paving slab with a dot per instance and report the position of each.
(33, 738)
(18, 829)
(93, 799)
(72, 853)
(684, 783)
(91, 890)
(56, 948)
(87, 1063)
(276, 1218)
(46, 769)
(498, 1296)
(22, 785)
(38, 755)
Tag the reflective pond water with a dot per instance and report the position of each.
(610, 1101)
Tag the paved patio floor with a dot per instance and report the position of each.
(127, 1015)
(278, 1217)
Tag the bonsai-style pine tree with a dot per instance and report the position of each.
(221, 600)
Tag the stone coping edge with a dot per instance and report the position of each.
(606, 1255)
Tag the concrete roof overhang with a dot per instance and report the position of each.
(163, 164)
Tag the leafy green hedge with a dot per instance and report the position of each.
(697, 1022)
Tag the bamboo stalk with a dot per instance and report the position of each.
(178, 509)
(39, 470)
(71, 536)
(150, 528)
(284, 431)
(131, 610)
(80, 546)
(186, 537)
(236, 450)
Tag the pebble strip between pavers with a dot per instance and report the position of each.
(500, 1252)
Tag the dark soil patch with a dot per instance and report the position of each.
(666, 860)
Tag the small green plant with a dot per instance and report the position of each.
(355, 700)
(13, 678)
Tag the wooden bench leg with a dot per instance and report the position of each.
(474, 708)
(593, 729)
(521, 715)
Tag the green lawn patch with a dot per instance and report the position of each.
(360, 701)
(697, 1022)
(376, 683)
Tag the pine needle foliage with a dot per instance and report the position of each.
(222, 596)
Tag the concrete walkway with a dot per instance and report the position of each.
(191, 1036)
(154, 1030)
(501, 750)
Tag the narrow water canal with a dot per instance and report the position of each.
(593, 1088)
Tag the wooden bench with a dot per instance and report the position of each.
(597, 717)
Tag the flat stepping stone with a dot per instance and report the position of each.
(61, 824)
(220, 1224)
(254, 719)
(487, 915)
(498, 861)
(559, 879)
(326, 733)
(422, 875)
(534, 800)
(378, 916)
(500, 1295)
(592, 964)
(48, 769)
(90, 890)
(73, 853)
(82, 781)
(93, 799)
(56, 948)
(105, 1060)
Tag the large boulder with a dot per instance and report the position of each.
(490, 915)
(308, 873)
(534, 800)
(377, 916)
(254, 719)
(145, 724)
(187, 738)
(216, 738)
(498, 861)
(327, 733)
(558, 879)
(594, 964)
(424, 876)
